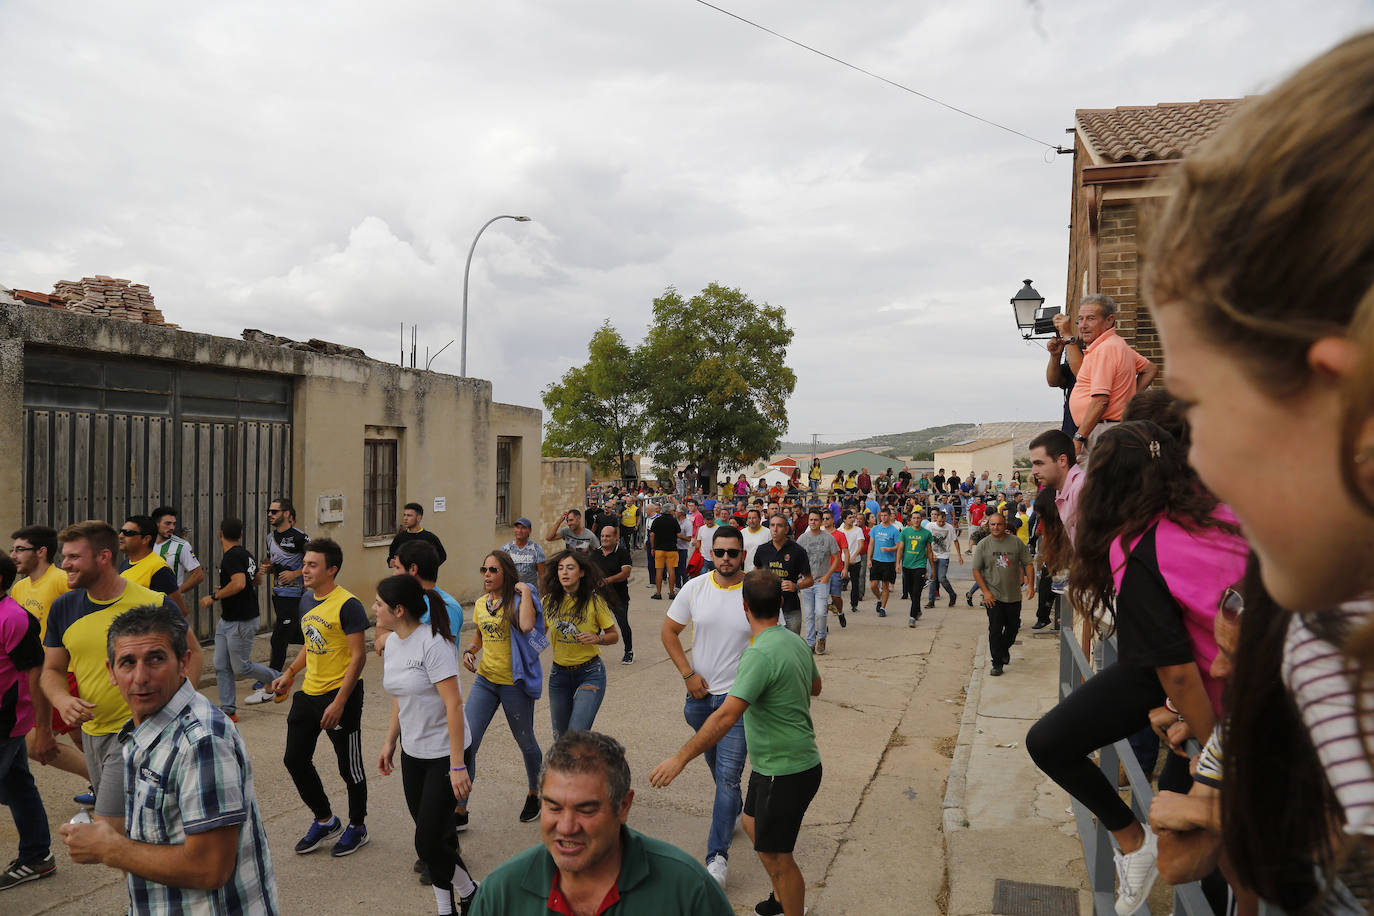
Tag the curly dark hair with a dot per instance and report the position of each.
(1138, 473)
(588, 588)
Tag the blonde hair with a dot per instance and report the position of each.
(1267, 240)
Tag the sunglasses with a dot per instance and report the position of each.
(130, 533)
(1232, 604)
(274, 512)
(488, 569)
(730, 552)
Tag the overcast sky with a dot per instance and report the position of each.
(321, 169)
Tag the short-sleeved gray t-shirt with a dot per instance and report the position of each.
(1000, 562)
(819, 547)
(584, 541)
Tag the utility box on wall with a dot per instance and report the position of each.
(331, 508)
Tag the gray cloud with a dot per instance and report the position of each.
(321, 171)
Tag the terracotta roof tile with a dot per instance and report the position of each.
(1149, 133)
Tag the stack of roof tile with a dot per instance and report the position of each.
(109, 297)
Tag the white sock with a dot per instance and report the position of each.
(462, 883)
(443, 897)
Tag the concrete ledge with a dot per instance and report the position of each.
(955, 817)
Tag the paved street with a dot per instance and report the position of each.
(872, 843)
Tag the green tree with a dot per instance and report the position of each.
(596, 410)
(715, 379)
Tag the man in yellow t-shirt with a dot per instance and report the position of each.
(33, 552)
(333, 622)
(142, 565)
(75, 640)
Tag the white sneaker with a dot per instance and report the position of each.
(1137, 872)
(717, 867)
(258, 697)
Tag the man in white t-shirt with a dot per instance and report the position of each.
(754, 535)
(944, 537)
(858, 548)
(714, 605)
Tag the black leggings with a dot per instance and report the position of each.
(429, 796)
(1113, 704)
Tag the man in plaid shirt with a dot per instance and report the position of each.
(194, 840)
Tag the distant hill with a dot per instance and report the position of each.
(908, 443)
(931, 438)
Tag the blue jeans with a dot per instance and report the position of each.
(726, 762)
(17, 790)
(482, 701)
(575, 694)
(234, 659)
(815, 603)
(940, 578)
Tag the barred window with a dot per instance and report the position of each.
(379, 487)
(504, 448)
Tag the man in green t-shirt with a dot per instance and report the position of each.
(1001, 565)
(773, 689)
(914, 557)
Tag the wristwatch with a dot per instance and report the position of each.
(1079, 437)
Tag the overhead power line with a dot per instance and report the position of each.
(916, 92)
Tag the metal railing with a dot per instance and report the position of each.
(1096, 839)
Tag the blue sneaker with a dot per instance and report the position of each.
(353, 839)
(85, 799)
(258, 685)
(317, 834)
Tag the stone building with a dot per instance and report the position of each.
(1121, 156)
(114, 417)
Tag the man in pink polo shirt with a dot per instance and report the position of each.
(1111, 373)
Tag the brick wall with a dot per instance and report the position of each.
(1119, 276)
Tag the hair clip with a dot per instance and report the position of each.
(1154, 448)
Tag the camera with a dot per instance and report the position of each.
(1044, 321)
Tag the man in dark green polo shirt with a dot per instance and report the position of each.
(590, 861)
(773, 689)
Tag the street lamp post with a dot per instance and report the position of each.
(1030, 318)
(463, 364)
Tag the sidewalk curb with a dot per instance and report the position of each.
(955, 817)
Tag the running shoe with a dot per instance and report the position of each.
(531, 810)
(718, 867)
(769, 907)
(1137, 872)
(259, 696)
(17, 872)
(881, 612)
(911, 621)
(628, 658)
(317, 834)
(465, 903)
(85, 799)
(258, 685)
(354, 838)
(460, 821)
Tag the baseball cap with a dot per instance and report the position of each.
(523, 521)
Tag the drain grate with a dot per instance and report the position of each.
(1017, 898)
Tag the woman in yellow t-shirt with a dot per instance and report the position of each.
(580, 622)
(508, 603)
